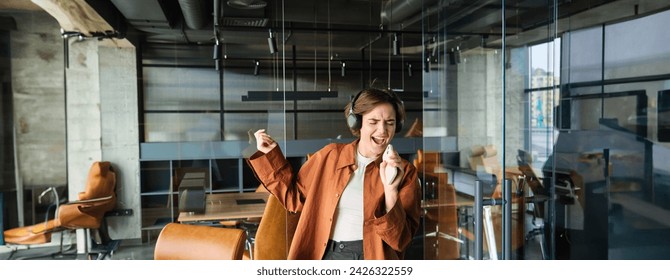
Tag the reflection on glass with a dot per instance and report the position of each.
(173, 127)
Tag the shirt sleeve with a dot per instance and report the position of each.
(398, 226)
(276, 174)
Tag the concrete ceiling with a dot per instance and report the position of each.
(350, 30)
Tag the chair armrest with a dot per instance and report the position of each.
(53, 191)
(445, 236)
(99, 199)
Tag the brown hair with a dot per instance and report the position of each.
(368, 99)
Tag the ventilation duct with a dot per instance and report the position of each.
(244, 21)
(195, 13)
(247, 4)
(397, 10)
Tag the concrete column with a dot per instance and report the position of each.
(84, 138)
(102, 124)
(120, 134)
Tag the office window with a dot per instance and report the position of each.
(171, 88)
(638, 48)
(544, 81)
(582, 59)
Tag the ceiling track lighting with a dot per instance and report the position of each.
(344, 66)
(272, 43)
(409, 69)
(257, 69)
(66, 35)
(109, 34)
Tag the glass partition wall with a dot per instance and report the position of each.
(537, 132)
(293, 77)
(540, 129)
(562, 106)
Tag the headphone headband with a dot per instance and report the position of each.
(355, 121)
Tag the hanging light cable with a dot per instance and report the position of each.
(402, 64)
(315, 40)
(388, 74)
(216, 56)
(330, 55)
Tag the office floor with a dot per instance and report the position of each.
(136, 250)
(144, 249)
(126, 250)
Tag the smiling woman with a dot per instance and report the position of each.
(368, 216)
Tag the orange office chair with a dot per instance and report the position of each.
(97, 198)
(275, 231)
(199, 242)
(88, 212)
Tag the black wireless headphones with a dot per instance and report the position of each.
(355, 121)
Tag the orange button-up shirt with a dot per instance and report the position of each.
(317, 189)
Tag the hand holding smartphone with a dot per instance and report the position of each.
(391, 172)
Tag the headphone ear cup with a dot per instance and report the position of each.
(353, 121)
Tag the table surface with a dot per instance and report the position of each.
(461, 201)
(228, 206)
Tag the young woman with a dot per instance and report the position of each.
(348, 208)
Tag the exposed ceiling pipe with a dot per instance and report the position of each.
(397, 10)
(195, 13)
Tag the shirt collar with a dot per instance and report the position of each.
(348, 156)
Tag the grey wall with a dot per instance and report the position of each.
(37, 89)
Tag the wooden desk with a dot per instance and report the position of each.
(461, 201)
(228, 206)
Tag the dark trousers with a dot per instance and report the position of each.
(344, 250)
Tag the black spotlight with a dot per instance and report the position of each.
(455, 56)
(272, 43)
(452, 57)
(256, 67)
(409, 69)
(217, 51)
(344, 66)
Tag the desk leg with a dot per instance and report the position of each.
(490, 234)
(463, 225)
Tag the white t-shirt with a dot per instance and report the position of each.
(348, 220)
